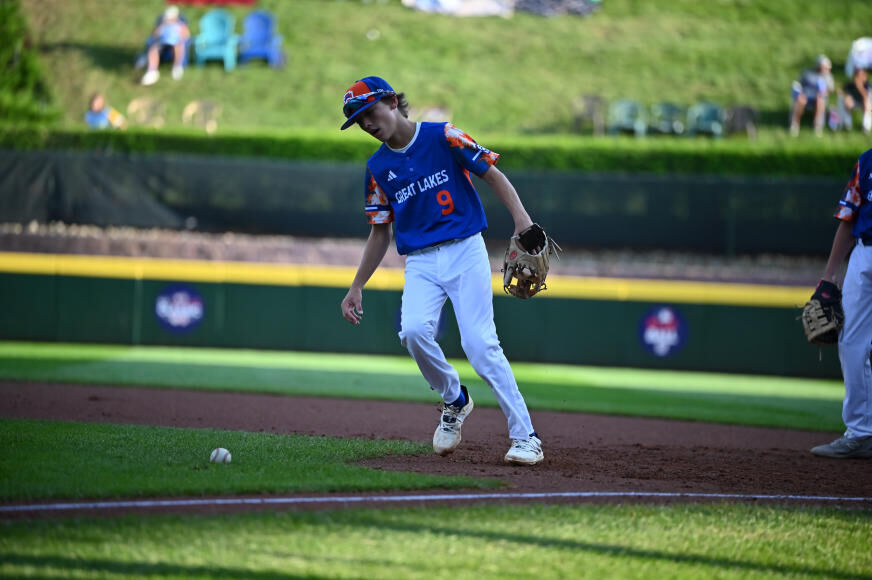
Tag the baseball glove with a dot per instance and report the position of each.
(822, 316)
(526, 264)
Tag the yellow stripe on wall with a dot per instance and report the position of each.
(671, 291)
(191, 270)
(621, 289)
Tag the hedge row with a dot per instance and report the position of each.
(662, 156)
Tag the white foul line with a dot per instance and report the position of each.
(170, 503)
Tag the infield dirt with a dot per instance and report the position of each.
(582, 452)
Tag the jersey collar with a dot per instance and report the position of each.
(410, 143)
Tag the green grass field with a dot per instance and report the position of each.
(43, 461)
(496, 76)
(480, 542)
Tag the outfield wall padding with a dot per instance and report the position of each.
(699, 213)
(699, 337)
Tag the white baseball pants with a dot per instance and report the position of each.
(855, 342)
(460, 271)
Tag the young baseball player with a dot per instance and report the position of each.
(854, 237)
(419, 180)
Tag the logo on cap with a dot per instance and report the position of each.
(358, 89)
(362, 95)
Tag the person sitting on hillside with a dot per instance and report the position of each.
(812, 91)
(171, 31)
(102, 116)
(855, 94)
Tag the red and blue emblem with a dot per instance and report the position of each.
(663, 331)
(179, 308)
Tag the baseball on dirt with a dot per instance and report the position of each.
(220, 455)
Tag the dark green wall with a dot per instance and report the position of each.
(703, 213)
(591, 332)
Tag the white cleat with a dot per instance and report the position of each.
(150, 77)
(525, 451)
(447, 435)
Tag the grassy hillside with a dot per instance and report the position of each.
(495, 76)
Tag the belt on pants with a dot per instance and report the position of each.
(437, 246)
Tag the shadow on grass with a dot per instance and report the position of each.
(717, 565)
(49, 565)
(107, 57)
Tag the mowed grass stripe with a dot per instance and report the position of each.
(573, 287)
(605, 377)
(734, 399)
(527, 541)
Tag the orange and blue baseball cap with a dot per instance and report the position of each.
(362, 95)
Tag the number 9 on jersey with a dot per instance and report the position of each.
(444, 199)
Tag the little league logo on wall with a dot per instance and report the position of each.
(663, 331)
(179, 308)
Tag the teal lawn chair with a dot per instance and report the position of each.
(217, 40)
(705, 119)
(627, 116)
(667, 118)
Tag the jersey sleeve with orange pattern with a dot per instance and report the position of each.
(469, 154)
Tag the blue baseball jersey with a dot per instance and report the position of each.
(856, 203)
(426, 188)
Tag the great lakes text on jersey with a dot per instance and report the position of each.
(422, 185)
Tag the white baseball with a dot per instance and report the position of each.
(220, 455)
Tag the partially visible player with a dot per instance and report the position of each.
(419, 180)
(854, 237)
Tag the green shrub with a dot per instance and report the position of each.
(24, 95)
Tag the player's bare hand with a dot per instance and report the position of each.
(522, 224)
(352, 306)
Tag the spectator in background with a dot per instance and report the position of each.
(171, 31)
(102, 116)
(812, 91)
(856, 95)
